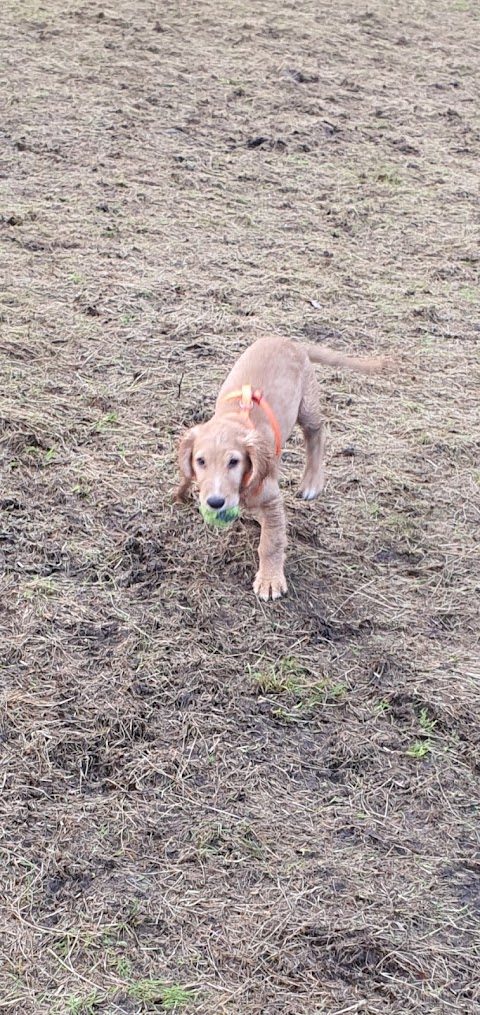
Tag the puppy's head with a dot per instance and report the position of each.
(224, 460)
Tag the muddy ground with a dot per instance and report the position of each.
(210, 804)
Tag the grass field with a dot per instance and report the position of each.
(209, 804)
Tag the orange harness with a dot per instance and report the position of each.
(248, 398)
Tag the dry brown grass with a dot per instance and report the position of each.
(209, 804)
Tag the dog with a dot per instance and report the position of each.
(234, 457)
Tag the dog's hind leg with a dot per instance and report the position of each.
(311, 422)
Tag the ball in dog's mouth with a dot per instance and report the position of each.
(219, 519)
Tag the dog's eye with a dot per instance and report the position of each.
(233, 463)
(201, 462)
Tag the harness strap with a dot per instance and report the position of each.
(248, 397)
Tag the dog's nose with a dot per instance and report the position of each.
(216, 502)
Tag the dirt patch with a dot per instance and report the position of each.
(208, 804)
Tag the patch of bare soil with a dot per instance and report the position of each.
(209, 804)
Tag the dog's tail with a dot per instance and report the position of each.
(331, 358)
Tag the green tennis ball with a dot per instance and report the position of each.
(219, 519)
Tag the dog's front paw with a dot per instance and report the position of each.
(269, 586)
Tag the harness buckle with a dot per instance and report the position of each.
(246, 400)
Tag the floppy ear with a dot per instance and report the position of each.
(261, 458)
(185, 449)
